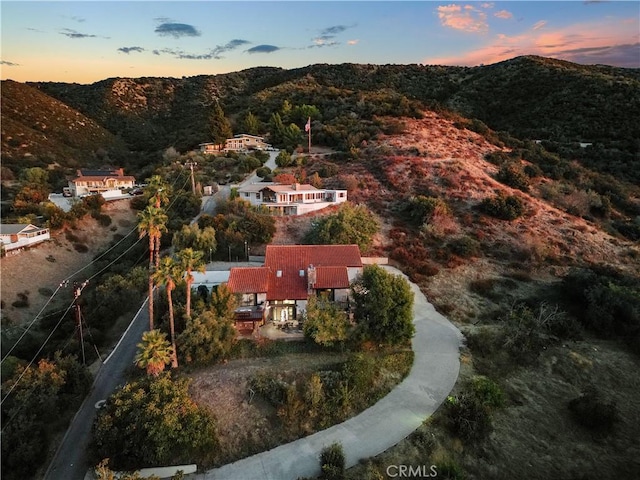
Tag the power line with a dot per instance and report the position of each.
(68, 278)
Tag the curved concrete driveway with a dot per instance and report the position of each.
(435, 370)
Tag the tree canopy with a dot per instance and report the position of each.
(151, 422)
(325, 322)
(383, 306)
(349, 225)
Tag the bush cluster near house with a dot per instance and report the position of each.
(383, 307)
(306, 404)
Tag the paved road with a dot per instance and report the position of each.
(433, 375)
(70, 461)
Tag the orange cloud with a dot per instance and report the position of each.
(353, 42)
(467, 18)
(614, 42)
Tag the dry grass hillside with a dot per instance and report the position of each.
(37, 272)
(506, 262)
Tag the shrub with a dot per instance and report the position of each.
(512, 174)
(503, 207)
(488, 392)
(593, 412)
(263, 172)
(466, 417)
(332, 462)
(527, 331)
(80, 247)
(464, 246)
(22, 302)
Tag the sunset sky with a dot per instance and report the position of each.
(88, 41)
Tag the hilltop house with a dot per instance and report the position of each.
(239, 143)
(87, 182)
(20, 235)
(279, 290)
(293, 199)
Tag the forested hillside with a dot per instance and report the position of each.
(529, 97)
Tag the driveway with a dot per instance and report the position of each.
(435, 370)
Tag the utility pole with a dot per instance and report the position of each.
(193, 181)
(77, 290)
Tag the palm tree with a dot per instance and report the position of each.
(159, 191)
(152, 222)
(154, 352)
(190, 260)
(168, 274)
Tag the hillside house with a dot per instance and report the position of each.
(88, 182)
(296, 199)
(239, 143)
(278, 291)
(243, 142)
(20, 235)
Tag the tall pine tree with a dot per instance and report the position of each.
(220, 128)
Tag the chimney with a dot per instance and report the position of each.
(311, 277)
(296, 186)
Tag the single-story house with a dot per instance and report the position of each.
(279, 290)
(20, 235)
(295, 199)
(88, 182)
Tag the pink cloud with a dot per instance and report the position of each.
(504, 14)
(613, 42)
(467, 18)
(353, 42)
(539, 25)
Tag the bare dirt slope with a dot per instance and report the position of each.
(38, 271)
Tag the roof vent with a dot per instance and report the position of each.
(279, 273)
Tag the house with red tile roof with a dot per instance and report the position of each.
(279, 289)
(295, 199)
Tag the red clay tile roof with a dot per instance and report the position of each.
(248, 279)
(291, 259)
(301, 256)
(332, 277)
(281, 275)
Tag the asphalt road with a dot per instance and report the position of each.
(70, 461)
